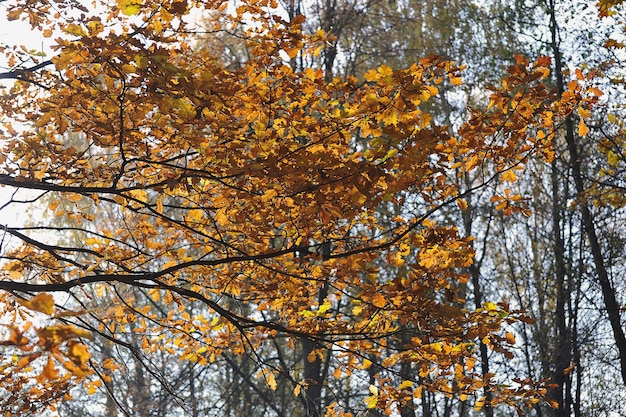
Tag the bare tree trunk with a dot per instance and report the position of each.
(192, 391)
(140, 393)
(474, 269)
(426, 409)
(608, 292)
(408, 408)
(562, 357)
(110, 409)
(313, 374)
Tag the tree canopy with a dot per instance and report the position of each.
(205, 208)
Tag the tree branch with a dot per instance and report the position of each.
(22, 74)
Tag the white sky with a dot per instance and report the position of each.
(12, 33)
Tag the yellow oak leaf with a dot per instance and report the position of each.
(130, 7)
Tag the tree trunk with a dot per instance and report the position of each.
(474, 269)
(406, 371)
(608, 292)
(562, 356)
(313, 375)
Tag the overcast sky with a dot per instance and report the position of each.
(15, 33)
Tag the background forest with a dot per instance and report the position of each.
(556, 263)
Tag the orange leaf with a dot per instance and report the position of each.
(456, 81)
(44, 303)
(379, 300)
(582, 128)
(49, 373)
(510, 338)
(509, 176)
(79, 353)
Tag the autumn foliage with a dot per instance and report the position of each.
(164, 171)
